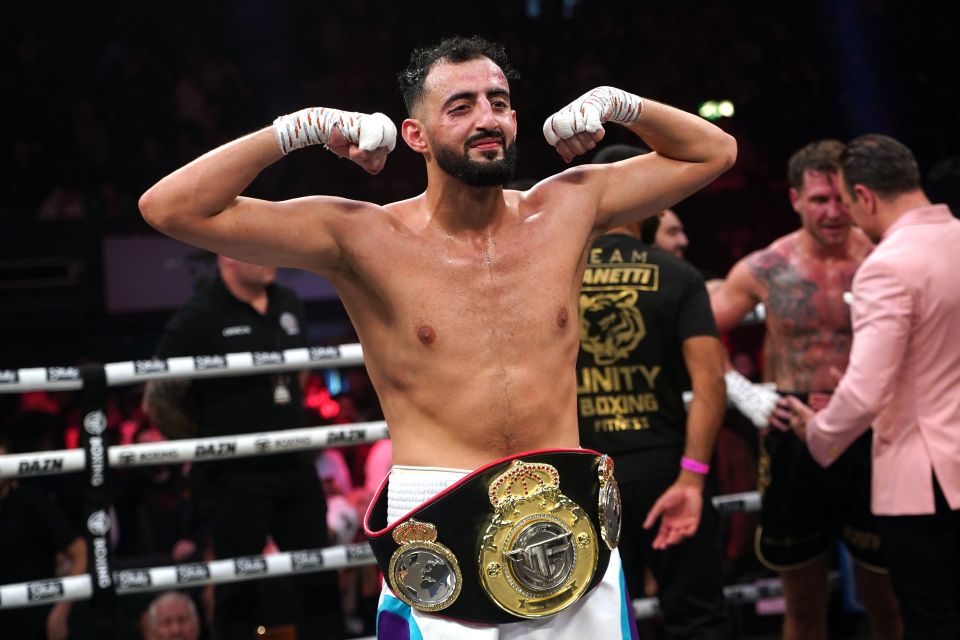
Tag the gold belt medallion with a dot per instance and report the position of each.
(422, 572)
(539, 551)
(610, 509)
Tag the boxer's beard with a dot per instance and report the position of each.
(479, 173)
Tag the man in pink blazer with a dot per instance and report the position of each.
(903, 379)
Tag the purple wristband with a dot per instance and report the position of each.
(694, 465)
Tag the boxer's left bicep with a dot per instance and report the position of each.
(643, 186)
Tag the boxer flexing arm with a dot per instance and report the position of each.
(200, 203)
(688, 153)
(393, 265)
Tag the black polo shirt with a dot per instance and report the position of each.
(32, 531)
(637, 306)
(214, 322)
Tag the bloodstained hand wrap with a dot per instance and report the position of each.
(314, 125)
(590, 111)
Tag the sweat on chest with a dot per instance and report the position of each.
(496, 289)
(514, 317)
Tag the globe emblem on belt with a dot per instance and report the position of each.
(422, 572)
(425, 577)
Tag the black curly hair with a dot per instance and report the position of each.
(457, 49)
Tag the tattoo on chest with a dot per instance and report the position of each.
(789, 294)
(808, 331)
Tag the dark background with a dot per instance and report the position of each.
(104, 99)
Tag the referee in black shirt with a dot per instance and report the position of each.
(280, 495)
(647, 332)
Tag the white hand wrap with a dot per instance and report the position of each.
(314, 125)
(755, 401)
(590, 111)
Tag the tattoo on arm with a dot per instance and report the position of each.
(164, 402)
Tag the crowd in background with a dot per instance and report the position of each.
(158, 523)
(104, 101)
(156, 519)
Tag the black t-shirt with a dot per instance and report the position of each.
(214, 322)
(637, 306)
(32, 531)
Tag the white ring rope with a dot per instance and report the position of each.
(52, 590)
(733, 594)
(745, 502)
(202, 449)
(26, 594)
(189, 367)
(44, 463)
(185, 367)
(40, 592)
(253, 444)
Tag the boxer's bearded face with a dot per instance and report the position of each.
(491, 170)
(472, 129)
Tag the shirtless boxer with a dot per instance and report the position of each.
(465, 300)
(801, 279)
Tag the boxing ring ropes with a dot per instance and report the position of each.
(104, 583)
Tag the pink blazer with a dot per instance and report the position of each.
(904, 371)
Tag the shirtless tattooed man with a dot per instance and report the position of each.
(801, 279)
(465, 301)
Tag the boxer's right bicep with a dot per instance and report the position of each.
(732, 299)
(304, 233)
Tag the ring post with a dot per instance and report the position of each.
(98, 500)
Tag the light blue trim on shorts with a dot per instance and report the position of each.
(402, 609)
(625, 631)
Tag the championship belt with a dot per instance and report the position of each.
(610, 510)
(516, 539)
(539, 551)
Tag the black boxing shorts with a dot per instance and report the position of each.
(806, 506)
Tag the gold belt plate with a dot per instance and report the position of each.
(539, 551)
